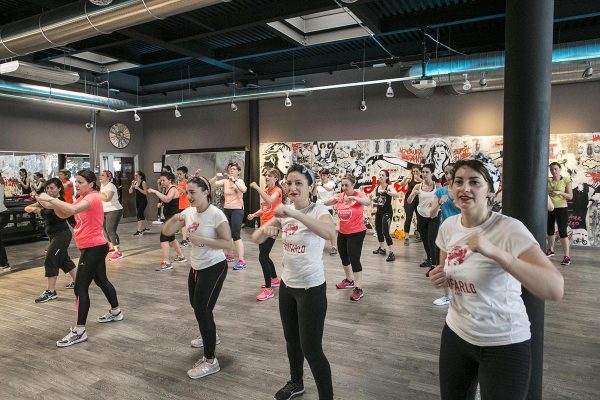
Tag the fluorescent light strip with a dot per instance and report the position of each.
(55, 102)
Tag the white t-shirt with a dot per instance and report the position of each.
(113, 204)
(302, 250)
(426, 200)
(325, 192)
(204, 224)
(486, 307)
(2, 206)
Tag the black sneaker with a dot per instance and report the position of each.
(46, 296)
(146, 230)
(425, 264)
(391, 257)
(379, 251)
(138, 233)
(70, 285)
(290, 390)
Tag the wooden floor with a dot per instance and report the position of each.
(383, 347)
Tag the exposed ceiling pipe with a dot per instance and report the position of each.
(82, 20)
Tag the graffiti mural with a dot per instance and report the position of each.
(578, 153)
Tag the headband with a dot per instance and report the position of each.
(490, 167)
(306, 170)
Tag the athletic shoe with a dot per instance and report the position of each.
(111, 250)
(70, 285)
(289, 391)
(164, 266)
(406, 242)
(180, 259)
(442, 301)
(229, 258)
(549, 253)
(430, 269)
(72, 338)
(425, 264)
(566, 260)
(345, 284)
(138, 233)
(6, 268)
(333, 251)
(184, 243)
(391, 257)
(203, 368)
(117, 255)
(241, 264)
(198, 343)
(266, 294)
(110, 317)
(275, 282)
(357, 294)
(379, 251)
(157, 222)
(46, 296)
(418, 238)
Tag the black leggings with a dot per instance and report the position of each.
(235, 219)
(503, 371)
(302, 314)
(383, 221)
(140, 207)
(92, 267)
(57, 256)
(561, 217)
(266, 263)
(4, 217)
(204, 286)
(409, 210)
(350, 247)
(428, 229)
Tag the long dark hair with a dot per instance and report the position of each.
(56, 182)
(90, 177)
(141, 175)
(168, 175)
(202, 183)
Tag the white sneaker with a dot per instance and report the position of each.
(157, 222)
(203, 368)
(442, 301)
(110, 317)
(72, 338)
(197, 343)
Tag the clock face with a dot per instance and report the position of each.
(119, 135)
(101, 2)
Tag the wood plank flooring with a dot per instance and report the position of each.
(383, 347)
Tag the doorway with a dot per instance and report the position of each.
(123, 167)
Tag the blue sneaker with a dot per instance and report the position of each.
(241, 264)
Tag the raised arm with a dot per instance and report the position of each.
(222, 241)
(323, 226)
(414, 193)
(264, 195)
(61, 208)
(270, 229)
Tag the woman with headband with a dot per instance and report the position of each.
(305, 227)
(209, 234)
(485, 258)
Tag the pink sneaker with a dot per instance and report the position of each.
(111, 250)
(345, 284)
(275, 282)
(265, 295)
(357, 294)
(117, 255)
(229, 257)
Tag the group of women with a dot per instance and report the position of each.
(484, 259)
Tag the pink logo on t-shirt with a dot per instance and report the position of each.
(193, 227)
(456, 255)
(345, 214)
(290, 228)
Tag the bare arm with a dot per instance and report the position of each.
(365, 201)
(392, 192)
(143, 188)
(270, 229)
(568, 194)
(62, 208)
(550, 204)
(413, 194)
(173, 225)
(107, 196)
(165, 198)
(222, 241)
(264, 195)
(33, 208)
(323, 226)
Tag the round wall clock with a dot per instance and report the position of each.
(119, 135)
(101, 2)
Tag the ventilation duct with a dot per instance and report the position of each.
(82, 20)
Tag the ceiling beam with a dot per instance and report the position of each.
(363, 14)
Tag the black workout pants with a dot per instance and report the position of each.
(409, 210)
(204, 286)
(503, 371)
(560, 216)
(350, 247)
(57, 255)
(302, 314)
(383, 222)
(428, 229)
(268, 268)
(92, 267)
(235, 218)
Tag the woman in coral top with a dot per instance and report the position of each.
(349, 206)
(89, 237)
(271, 197)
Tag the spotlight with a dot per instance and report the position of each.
(177, 112)
(136, 117)
(233, 106)
(390, 91)
(483, 81)
(588, 71)
(288, 102)
(466, 84)
(363, 106)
